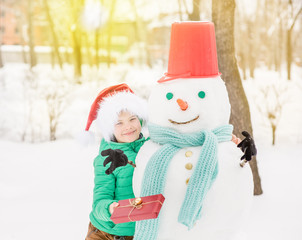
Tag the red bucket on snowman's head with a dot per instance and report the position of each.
(192, 51)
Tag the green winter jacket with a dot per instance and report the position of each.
(112, 188)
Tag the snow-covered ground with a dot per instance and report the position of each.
(46, 187)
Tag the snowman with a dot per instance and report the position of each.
(190, 157)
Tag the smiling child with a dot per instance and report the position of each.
(120, 115)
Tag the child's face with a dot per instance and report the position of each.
(127, 128)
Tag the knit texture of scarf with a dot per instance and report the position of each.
(200, 182)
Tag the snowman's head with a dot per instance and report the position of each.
(190, 104)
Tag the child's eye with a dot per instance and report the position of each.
(119, 123)
(201, 94)
(169, 96)
(132, 119)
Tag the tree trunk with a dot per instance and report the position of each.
(288, 53)
(289, 43)
(110, 33)
(75, 8)
(279, 47)
(77, 54)
(52, 132)
(139, 34)
(96, 42)
(22, 41)
(251, 48)
(88, 50)
(179, 10)
(274, 127)
(33, 59)
(1, 63)
(223, 17)
(52, 57)
(195, 15)
(54, 36)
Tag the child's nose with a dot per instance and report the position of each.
(127, 126)
(182, 104)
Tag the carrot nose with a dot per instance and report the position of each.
(182, 104)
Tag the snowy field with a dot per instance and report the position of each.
(46, 187)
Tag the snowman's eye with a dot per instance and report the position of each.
(169, 96)
(201, 94)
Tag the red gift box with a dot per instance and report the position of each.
(136, 209)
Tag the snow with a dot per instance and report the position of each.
(46, 190)
(277, 214)
(46, 187)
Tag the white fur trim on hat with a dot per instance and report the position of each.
(85, 138)
(111, 107)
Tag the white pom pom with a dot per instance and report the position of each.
(86, 138)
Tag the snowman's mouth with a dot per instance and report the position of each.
(192, 120)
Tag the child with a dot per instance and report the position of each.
(120, 115)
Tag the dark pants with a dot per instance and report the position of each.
(96, 234)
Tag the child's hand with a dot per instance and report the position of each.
(113, 206)
(116, 157)
(247, 146)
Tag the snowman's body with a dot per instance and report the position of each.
(227, 202)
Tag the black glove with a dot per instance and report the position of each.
(247, 146)
(116, 157)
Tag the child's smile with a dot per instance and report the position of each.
(129, 133)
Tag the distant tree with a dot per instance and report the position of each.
(21, 20)
(1, 63)
(110, 24)
(195, 14)
(96, 47)
(223, 17)
(76, 33)
(292, 21)
(53, 33)
(179, 10)
(88, 49)
(93, 18)
(279, 39)
(30, 91)
(44, 101)
(33, 58)
(56, 105)
(270, 105)
(250, 34)
(268, 39)
(139, 33)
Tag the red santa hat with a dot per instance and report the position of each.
(107, 107)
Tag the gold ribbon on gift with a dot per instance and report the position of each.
(137, 203)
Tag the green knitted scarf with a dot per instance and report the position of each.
(200, 182)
